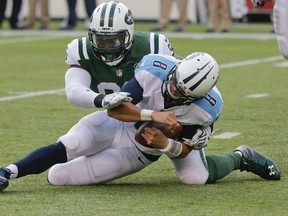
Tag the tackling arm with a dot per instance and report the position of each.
(77, 85)
(130, 113)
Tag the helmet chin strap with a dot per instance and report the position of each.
(170, 100)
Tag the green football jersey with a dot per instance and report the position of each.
(108, 79)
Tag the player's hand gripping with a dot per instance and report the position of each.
(168, 118)
(113, 100)
(200, 139)
(155, 138)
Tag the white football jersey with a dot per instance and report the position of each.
(150, 74)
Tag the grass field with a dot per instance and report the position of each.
(33, 62)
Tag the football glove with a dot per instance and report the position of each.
(258, 3)
(115, 99)
(200, 139)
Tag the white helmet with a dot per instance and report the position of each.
(194, 77)
(111, 32)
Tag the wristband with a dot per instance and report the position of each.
(98, 100)
(146, 115)
(173, 148)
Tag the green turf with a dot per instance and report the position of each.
(29, 123)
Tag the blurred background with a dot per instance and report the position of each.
(240, 11)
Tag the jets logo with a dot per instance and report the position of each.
(129, 20)
(119, 72)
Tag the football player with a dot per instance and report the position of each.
(99, 64)
(102, 146)
(102, 62)
(182, 92)
(280, 19)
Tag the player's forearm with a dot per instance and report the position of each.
(77, 85)
(126, 112)
(81, 96)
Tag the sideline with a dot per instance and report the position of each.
(33, 35)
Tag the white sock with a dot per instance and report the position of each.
(14, 170)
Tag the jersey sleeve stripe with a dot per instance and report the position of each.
(156, 43)
(84, 46)
(80, 44)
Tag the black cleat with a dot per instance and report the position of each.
(253, 161)
(4, 176)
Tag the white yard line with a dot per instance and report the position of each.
(222, 66)
(33, 94)
(61, 34)
(51, 35)
(226, 135)
(251, 62)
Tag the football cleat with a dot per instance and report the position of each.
(253, 161)
(4, 176)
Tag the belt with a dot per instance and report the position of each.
(149, 157)
(138, 124)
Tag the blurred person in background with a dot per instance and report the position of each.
(280, 22)
(219, 14)
(165, 9)
(44, 11)
(13, 20)
(71, 22)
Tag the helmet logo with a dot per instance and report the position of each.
(129, 20)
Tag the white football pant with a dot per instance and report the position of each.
(101, 149)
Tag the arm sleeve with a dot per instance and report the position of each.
(77, 85)
(135, 90)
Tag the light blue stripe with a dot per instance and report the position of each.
(215, 110)
(148, 64)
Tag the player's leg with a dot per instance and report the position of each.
(91, 134)
(87, 137)
(280, 16)
(109, 164)
(222, 165)
(243, 158)
(193, 168)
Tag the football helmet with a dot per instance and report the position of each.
(111, 32)
(193, 77)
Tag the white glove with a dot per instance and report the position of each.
(258, 3)
(200, 139)
(113, 100)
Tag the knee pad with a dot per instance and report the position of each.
(71, 144)
(58, 175)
